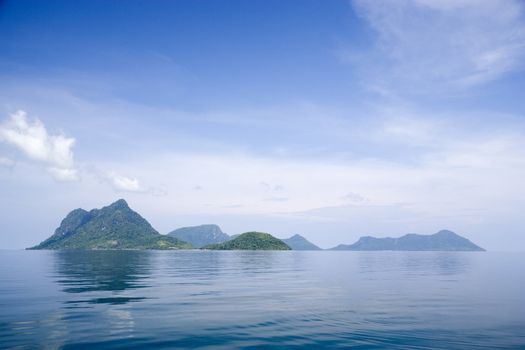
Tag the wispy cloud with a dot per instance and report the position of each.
(427, 45)
(354, 197)
(33, 140)
(64, 174)
(276, 199)
(7, 162)
(271, 188)
(123, 183)
(453, 172)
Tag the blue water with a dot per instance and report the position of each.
(258, 300)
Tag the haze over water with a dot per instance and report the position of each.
(254, 299)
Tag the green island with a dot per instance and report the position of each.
(251, 241)
(113, 227)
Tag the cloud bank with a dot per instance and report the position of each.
(32, 139)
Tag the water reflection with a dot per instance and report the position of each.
(239, 300)
(189, 266)
(250, 263)
(90, 272)
(415, 263)
(438, 263)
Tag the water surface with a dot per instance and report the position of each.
(252, 300)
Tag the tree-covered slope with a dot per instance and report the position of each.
(251, 241)
(113, 227)
(199, 236)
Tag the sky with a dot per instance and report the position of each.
(329, 119)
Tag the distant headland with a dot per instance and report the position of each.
(117, 226)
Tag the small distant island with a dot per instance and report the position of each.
(443, 240)
(117, 226)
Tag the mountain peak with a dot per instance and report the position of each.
(446, 233)
(298, 242)
(115, 226)
(200, 235)
(120, 203)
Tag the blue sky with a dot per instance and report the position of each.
(332, 119)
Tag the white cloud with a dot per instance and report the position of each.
(432, 45)
(123, 183)
(33, 140)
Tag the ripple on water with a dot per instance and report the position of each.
(256, 300)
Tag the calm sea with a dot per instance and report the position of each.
(259, 300)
